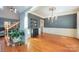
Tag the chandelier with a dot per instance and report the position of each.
(13, 9)
(52, 16)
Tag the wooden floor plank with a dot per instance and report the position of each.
(46, 43)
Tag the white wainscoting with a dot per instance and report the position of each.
(61, 31)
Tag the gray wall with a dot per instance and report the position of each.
(6, 19)
(22, 16)
(66, 21)
(31, 18)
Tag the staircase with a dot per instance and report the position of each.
(8, 27)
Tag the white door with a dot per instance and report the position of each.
(78, 24)
(41, 26)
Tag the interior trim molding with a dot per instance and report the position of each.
(58, 14)
(65, 13)
(61, 31)
(37, 15)
(34, 8)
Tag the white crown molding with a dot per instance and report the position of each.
(36, 14)
(34, 8)
(65, 13)
(57, 14)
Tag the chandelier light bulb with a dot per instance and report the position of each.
(52, 16)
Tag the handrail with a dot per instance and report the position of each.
(6, 32)
(13, 25)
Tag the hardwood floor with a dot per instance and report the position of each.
(54, 43)
(6, 48)
(22, 48)
(47, 43)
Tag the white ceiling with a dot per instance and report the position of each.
(44, 10)
(22, 8)
(5, 11)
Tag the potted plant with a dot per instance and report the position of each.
(16, 36)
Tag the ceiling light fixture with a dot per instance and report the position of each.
(13, 10)
(52, 16)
